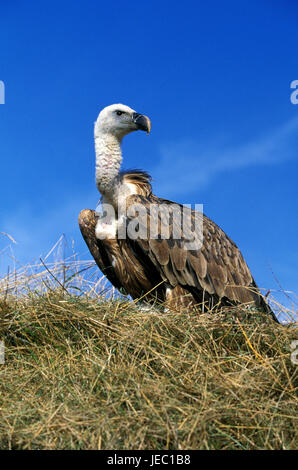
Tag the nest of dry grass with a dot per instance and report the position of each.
(89, 371)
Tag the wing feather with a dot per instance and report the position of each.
(87, 222)
(217, 267)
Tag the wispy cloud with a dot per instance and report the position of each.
(196, 164)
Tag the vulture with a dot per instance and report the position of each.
(153, 249)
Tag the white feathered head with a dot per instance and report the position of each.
(119, 120)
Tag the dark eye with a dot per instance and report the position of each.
(119, 113)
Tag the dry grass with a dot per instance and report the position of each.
(90, 372)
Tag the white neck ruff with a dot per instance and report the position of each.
(108, 162)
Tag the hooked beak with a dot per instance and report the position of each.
(142, 122)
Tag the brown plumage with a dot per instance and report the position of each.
(215, 274)
(144, 245)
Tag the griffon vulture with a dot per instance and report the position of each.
(181, 262)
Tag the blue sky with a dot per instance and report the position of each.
(214, 77)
